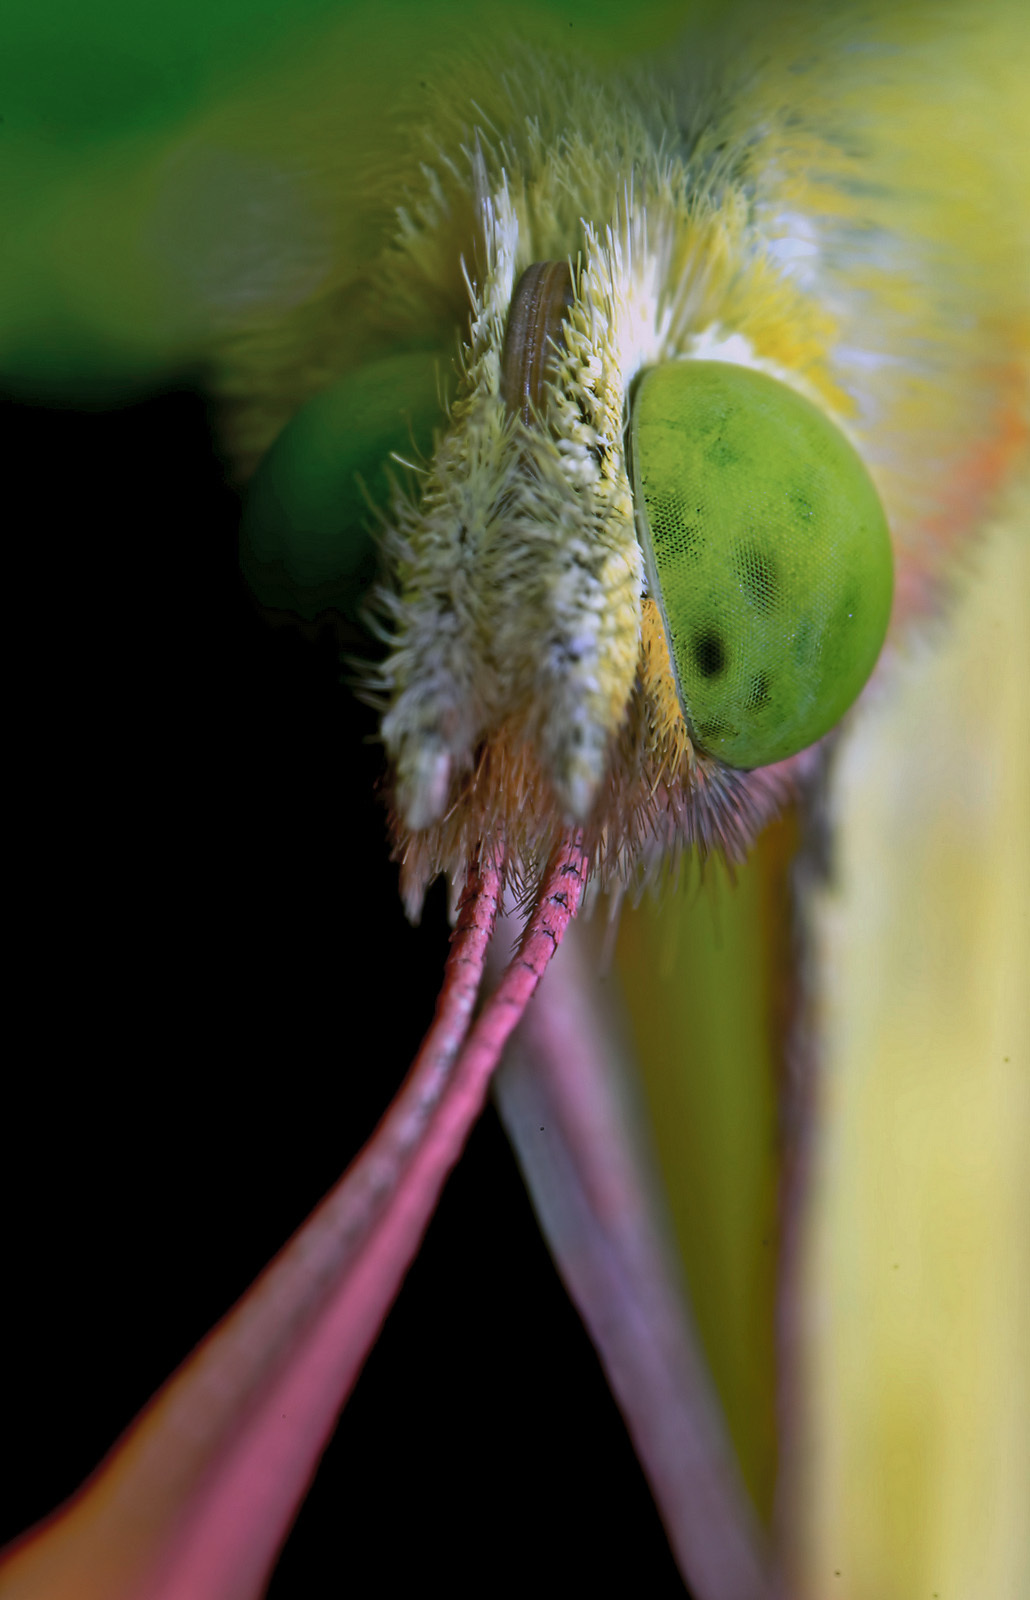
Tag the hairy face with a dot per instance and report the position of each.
(530, 681)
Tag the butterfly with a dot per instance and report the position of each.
(790, 261)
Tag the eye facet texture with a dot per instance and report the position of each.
(767, 550)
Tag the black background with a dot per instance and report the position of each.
(214, 995)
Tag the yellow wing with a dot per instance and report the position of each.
(904, 1468)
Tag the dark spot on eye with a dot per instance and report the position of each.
(709, 653)
(804, 646)
(721, 453)
(758, 692)
(847, 610)
(710, 732)
(673, 526)
(757, 576)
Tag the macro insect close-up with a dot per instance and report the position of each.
(535, 508)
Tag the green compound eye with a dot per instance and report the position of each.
(305, 544)
(767, 550)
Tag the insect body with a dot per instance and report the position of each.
(656, 350)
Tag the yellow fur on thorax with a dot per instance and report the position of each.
(670, 734)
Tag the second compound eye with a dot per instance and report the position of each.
(768, 553)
